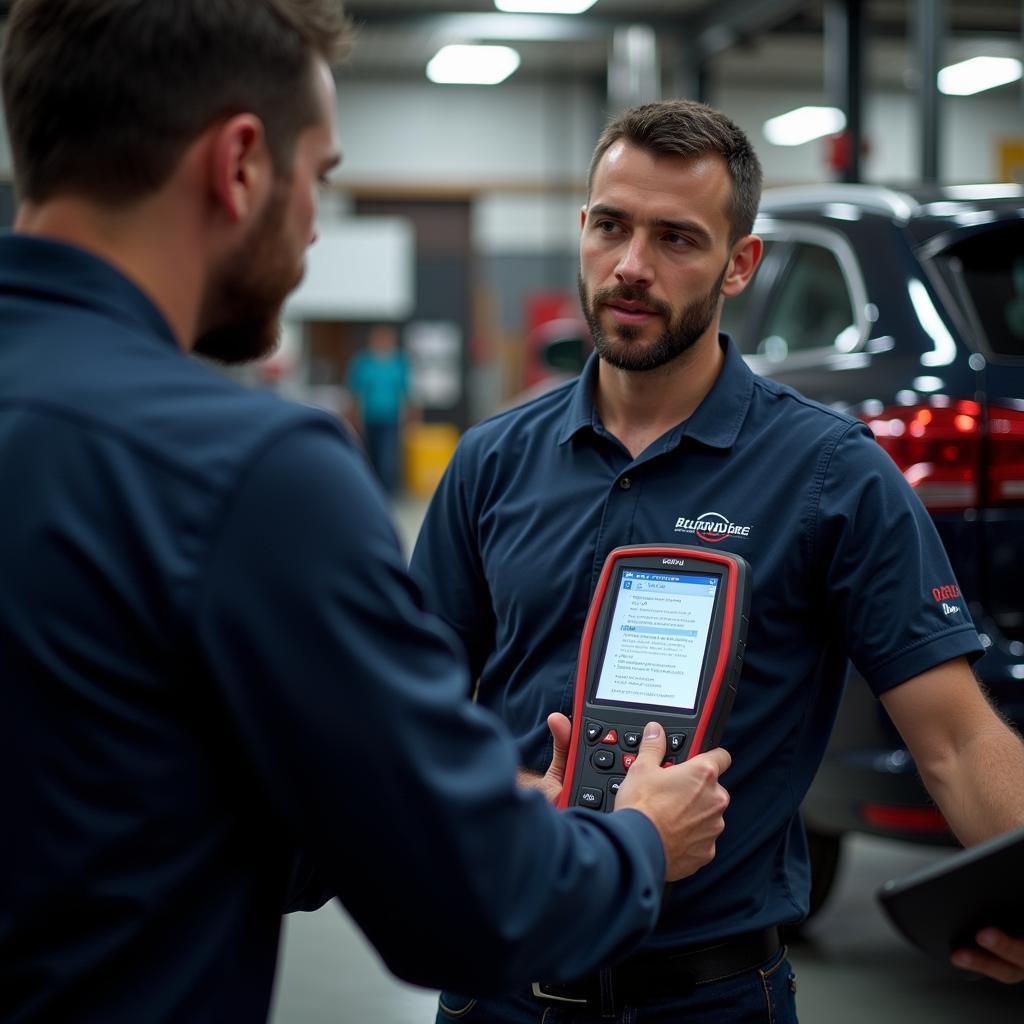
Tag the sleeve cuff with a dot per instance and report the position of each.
(922, 656)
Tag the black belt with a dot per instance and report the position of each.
(647, 976)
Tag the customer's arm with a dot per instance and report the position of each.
(350, 706)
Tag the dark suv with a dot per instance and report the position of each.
(907, 310)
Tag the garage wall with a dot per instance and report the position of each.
(535, 133)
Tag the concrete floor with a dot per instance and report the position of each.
(853, 967)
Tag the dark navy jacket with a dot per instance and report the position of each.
(844, 563)
(211, 657)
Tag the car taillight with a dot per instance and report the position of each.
(926, 820)
(956, 454)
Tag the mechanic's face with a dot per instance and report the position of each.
(654, 254)
(251, 286)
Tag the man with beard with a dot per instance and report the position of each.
(211, 655)
(668, 438)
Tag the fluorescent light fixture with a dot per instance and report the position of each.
(460, 64)
(978, 74)
(804, 124)
(544, 6)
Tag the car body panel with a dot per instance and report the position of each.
(906, 333)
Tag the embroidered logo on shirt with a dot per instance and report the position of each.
(943, 595)
(711, 527)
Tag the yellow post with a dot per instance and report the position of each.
(428, 447)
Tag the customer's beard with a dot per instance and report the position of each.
(242, 306)
(680, 335)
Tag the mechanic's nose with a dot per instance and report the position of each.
(634, 267)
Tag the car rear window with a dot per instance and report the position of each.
(987, 274)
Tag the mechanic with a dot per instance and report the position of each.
(667, 437)
(221, 694)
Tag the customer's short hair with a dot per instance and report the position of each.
(102, 97)
(688, 128)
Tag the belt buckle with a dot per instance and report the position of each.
(538, 991)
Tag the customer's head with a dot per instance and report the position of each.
(122, 104)
(102, 97)
(690, 129)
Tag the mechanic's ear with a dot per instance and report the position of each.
(746, 255)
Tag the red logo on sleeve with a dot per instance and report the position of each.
(945, 593)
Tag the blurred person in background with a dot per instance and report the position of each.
(222, 697)
(667, 437)
(378, 379)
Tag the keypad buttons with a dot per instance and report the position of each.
(603, 759)
(627, 760)
(591, 798)
(631, 740)
(676, 741)
(611, 736)
(594, 730)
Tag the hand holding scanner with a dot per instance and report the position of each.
(663, 640)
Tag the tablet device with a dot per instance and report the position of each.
(663, 641)
(940, 908)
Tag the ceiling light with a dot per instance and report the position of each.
(544, 6)
(978, 74)
(804, 124)
(459, 64)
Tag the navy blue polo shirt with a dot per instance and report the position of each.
(212, 659)
(844, 561)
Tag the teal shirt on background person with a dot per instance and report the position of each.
(381, 383)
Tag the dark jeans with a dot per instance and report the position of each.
(766, 995)
(382, 445)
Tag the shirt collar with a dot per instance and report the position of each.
(717, 420)
(581, 411)
(715, 423)
(65, 273)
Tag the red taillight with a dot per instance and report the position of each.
(925, 820)
(956, 454)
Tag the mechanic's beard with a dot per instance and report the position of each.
(244, 299)
(680, 335)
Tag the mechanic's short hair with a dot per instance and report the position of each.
(103, 97)
(688, 128)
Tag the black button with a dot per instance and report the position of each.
(591, 798)
(602, 759)
(613, 786)
(594, 729)
(631, 740)
(625, 483)
(676, 741)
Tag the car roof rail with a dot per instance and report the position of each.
(874, 198)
